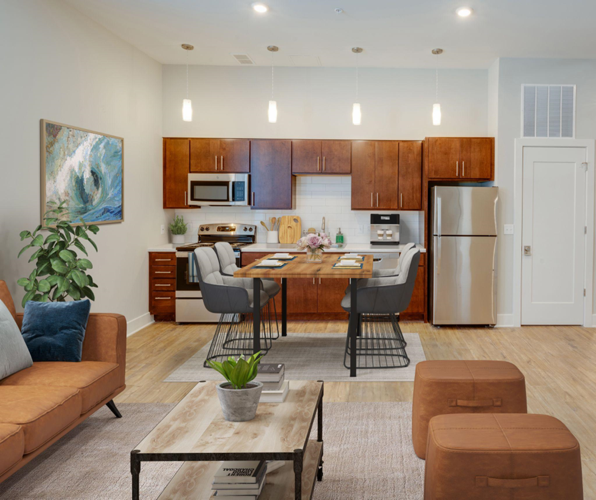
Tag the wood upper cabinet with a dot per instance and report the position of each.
(220, 155)
(410, 175)
(176, 154)
(458, 158)
(272, 183)
(375, 175)
(321, 157)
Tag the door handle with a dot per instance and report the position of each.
(221, 163)
(527, 250)
(215, 162)
(463, 168)
(377, 200)
(313, 281)
(185, 203)
(324, 164)
(371, 200)
(318, 163)
(319, 281)
(401, 200)
(457, 169)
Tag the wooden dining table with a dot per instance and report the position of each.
(300, 268)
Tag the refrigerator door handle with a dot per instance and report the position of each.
(438, 214)
(439, 259)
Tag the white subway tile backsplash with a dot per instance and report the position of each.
(316, 197)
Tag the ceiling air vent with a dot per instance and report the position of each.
(243, 59)
(548, 111)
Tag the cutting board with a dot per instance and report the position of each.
(290, 229)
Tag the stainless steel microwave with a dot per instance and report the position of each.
(218, 189)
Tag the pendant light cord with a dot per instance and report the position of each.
(357, 79)
(272, 80)
(437, 85)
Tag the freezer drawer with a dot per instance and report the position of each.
(464, 282)
(464, 211)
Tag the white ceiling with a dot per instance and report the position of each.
(394, 33)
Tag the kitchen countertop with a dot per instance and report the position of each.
(349, 248)
(169, 247)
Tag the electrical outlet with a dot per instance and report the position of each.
(508, 229)
(163, 229)
(361, 229)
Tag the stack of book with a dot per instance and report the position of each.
(275, 387)
(240, 480)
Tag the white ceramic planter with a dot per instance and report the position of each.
(239, 405)
(177, 239)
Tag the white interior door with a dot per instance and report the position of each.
(553, 239)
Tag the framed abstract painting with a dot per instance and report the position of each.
(84, 169)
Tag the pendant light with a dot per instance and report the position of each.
(436, 105)
(272, 111)
(187, 103)
(356, 111)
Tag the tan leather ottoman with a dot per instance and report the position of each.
(446, 387)
(501, 457)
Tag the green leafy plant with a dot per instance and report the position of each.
(238, 372)
(178, 226)
(59, 272)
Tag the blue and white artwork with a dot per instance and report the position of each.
(84, 169)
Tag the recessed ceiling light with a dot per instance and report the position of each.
(261, 8)
(464, 12)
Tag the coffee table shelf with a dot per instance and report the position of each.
(196, 433)
(193, 480)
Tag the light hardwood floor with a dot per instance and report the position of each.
(559, 364)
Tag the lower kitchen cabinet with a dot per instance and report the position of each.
(331, 291)
(162, 285)
(415, 310)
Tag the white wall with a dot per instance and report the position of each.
(512, 74)
(317, 102)
(59, 65)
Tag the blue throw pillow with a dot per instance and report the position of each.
(54, 331)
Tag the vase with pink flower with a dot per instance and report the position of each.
(314, 244)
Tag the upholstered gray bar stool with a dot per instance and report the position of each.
(380, 342)
(232, 298)
(227, 263)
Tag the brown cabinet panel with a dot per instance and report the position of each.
(271, 172)
(443, 159)
(416, 308)
(410, 175)
(331, 292)
(162, 272)
(306, 157)
(302, 295)
(386, 175)
(162, 303)
(204, 155)
(162, 258)
(363, 175)
(337, 156)
(234, 155)
(175, 172)
(477, 158)
(163, 285)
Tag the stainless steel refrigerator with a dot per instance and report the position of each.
(463, 255)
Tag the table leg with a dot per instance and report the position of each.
(135, 470)
(353, 328)
(320, 431)
(256, 315)
(298, 463)
(284, 307)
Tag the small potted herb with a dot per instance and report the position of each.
(178, 229)
(239, 396)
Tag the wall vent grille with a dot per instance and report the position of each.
(548, 111)
(243, 59)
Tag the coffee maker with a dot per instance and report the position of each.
(384, 229)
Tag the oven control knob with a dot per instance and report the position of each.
(244, 228)
(250, 229)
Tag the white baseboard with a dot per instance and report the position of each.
(593, 321)
(134, 325)
(504, 320)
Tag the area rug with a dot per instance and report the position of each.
(310, 356)
(368, 455)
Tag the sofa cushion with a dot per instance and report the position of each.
(12, 446)
(54, 331)
(14, 355)
(41, 411)
(96, 380)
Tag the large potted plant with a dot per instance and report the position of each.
(59, 271)
(178, 229)
(239, 396)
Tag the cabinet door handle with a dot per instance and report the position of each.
(457, 169)
(371, 200)
(163, 285)
(324, 164)
(377, 200)
(162, 298)
(318, 163)
(163, 260)
(319, 281)
(463, 168)
(185, 202)
(221, 163)
(401, 200)
(215, 162)
(313, 281)
(163, 272)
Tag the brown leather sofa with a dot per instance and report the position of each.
(42, 403)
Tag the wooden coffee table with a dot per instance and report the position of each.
(196, 432)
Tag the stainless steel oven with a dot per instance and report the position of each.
(189, 299)
(218, 189)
